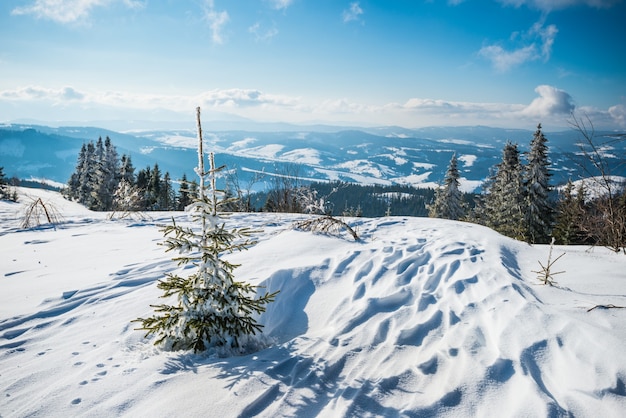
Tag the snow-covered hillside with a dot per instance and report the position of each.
(381, 156)
(421, 317)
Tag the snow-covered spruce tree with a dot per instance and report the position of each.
(106, 175)
(448, 202)
(87, 177)
(73, 184)
(539, 213)
(502, 208)
(211, 308)
(127, 170)
(4, 190)
(77, 187)
(184, 194)
(96, 177)
(166, 198)
(111, 174)
(102, 195)
(569, 215)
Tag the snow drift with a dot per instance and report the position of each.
(421, 317)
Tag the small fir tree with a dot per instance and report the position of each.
(448, 202)
(211, 308)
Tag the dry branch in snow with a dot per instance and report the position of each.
(326, 224)
(609, 306)
(36, 210)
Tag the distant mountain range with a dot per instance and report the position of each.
(383, 155)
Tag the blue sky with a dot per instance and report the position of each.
(413, 63)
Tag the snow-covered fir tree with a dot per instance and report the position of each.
(570, 213)
(211, 308)
(152, 186)
(96, 177)
(127, 170)
(184, 193)
(99, 190)
(5, 193)
(87, 176)
(157, 190)
(448, 202)
(502, 207)
(106, 177)
(539, 213)
(111, 173)
(166, 198)
(3, 184)
(99, 176)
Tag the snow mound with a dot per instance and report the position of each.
(431, 317)
(421, 317)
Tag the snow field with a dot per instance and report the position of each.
(421, 317)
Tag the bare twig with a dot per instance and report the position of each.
(609, 306)
(38, 209)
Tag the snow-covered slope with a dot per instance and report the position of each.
(421, 317)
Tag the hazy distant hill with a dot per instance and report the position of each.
(385, 155)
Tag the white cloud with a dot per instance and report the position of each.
(40, 93)
(69, 11)
(549, 5)
(223, 99)
(68, 93)
(613, 118)
(536, 44)
(503, 60)
(244, 98)
(429, 112)
(454, 108)
(135, 4)
(217, 21)
(280, 4)
(262, 34)
(61, 11)
(551, 101)
(546, 35)
(353, 13)
(618, 114)
(553, 107)
(342, 106)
